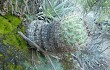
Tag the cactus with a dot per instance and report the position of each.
(72, 30)
(60, 36)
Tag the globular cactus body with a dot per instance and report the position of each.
(63, 36)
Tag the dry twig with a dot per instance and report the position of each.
(36, 46)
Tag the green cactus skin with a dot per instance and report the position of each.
(72, 31)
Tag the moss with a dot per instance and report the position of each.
(8, 33)
(8, 23)
(8, 30)
(14, 40)
(1, 54)
(13, 67)
(13, 19)
(23, 29)
(5, 26)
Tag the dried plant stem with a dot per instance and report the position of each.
(51, 62)
(79, 62)
(16, 5)
(32, 43)
(36, 46)
(10, 2)
(26, 6)
(106, 49)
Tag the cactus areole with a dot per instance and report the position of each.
(58, 37)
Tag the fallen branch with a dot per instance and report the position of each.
(31, 42)
(36, 46)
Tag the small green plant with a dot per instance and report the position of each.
(57, 8)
